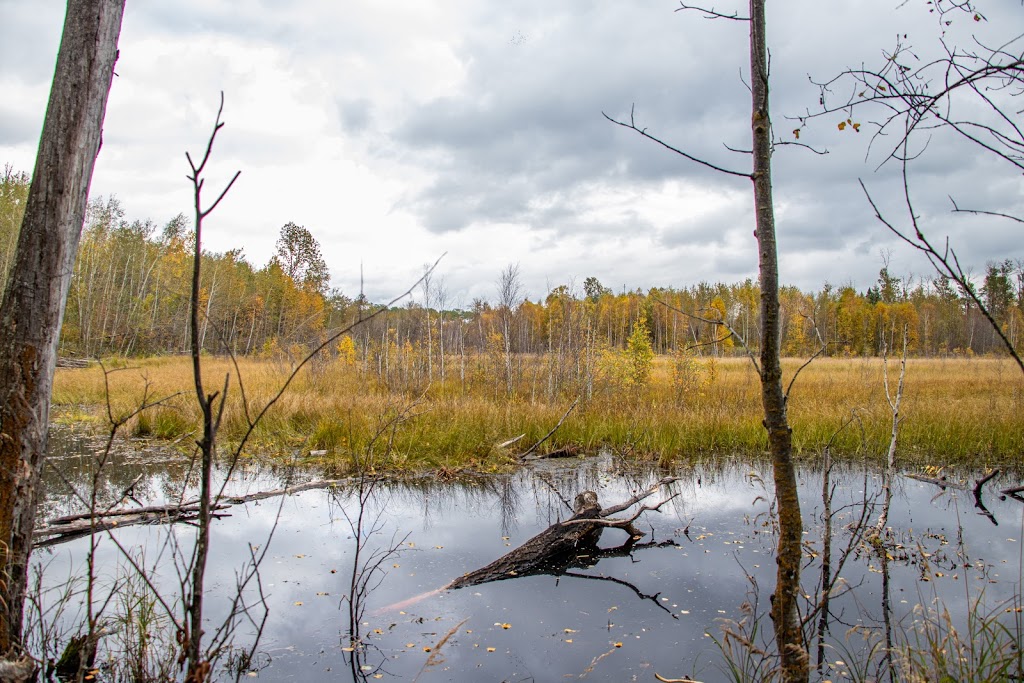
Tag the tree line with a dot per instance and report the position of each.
(129, 296)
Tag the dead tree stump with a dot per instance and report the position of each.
(563, 540)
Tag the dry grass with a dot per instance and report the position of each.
(956, 410)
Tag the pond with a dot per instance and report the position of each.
(660, 606)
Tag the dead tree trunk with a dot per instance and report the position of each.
(37, 287)
(562, 540)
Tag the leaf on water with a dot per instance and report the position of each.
(618, 644)
(410, 644)
(378, 631)
(348, 649)
(506, 626)
(411, 544)
(568, 640)
(300, 556)
(570, 630)
(298, 603)
(491, 649)
(396, 566)
(438, 547)
(426, 648)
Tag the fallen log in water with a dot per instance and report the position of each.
(563, 541)
(68, 527)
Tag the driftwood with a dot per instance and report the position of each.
(66, 528)
(73, 526)
(564, 543)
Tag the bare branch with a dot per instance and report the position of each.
(722, 323)
(979, 212)
(711, 13)
(643, 131)
(946, 263)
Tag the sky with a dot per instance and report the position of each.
(475, 130)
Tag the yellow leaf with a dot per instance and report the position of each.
(856, 127)
(426, 649)
(490, 649)
(506, 626)
(298, 603)
(618, 644)
(796, 133)
(842, 125)
(568, 640)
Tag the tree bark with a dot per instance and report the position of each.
(36, 293)
(785, 618)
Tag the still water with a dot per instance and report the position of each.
(657, 607)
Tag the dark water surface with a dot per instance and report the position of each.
(659, 608)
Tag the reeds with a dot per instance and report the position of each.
(957, 410)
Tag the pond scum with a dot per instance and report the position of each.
(675, 409)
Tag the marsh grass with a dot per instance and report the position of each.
(958, 411)
(987, 650)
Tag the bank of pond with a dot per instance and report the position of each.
(355, 579)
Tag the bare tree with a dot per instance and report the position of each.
(36, 292)
(970, 94)
(785, 618)
(510, 293)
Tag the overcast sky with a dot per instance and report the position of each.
(395, 133)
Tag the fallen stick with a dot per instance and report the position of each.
(68, 527)
(553, 430)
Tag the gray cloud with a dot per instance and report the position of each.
(477, 128)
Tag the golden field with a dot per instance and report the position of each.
(963, 411)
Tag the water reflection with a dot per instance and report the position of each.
(626, 610)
